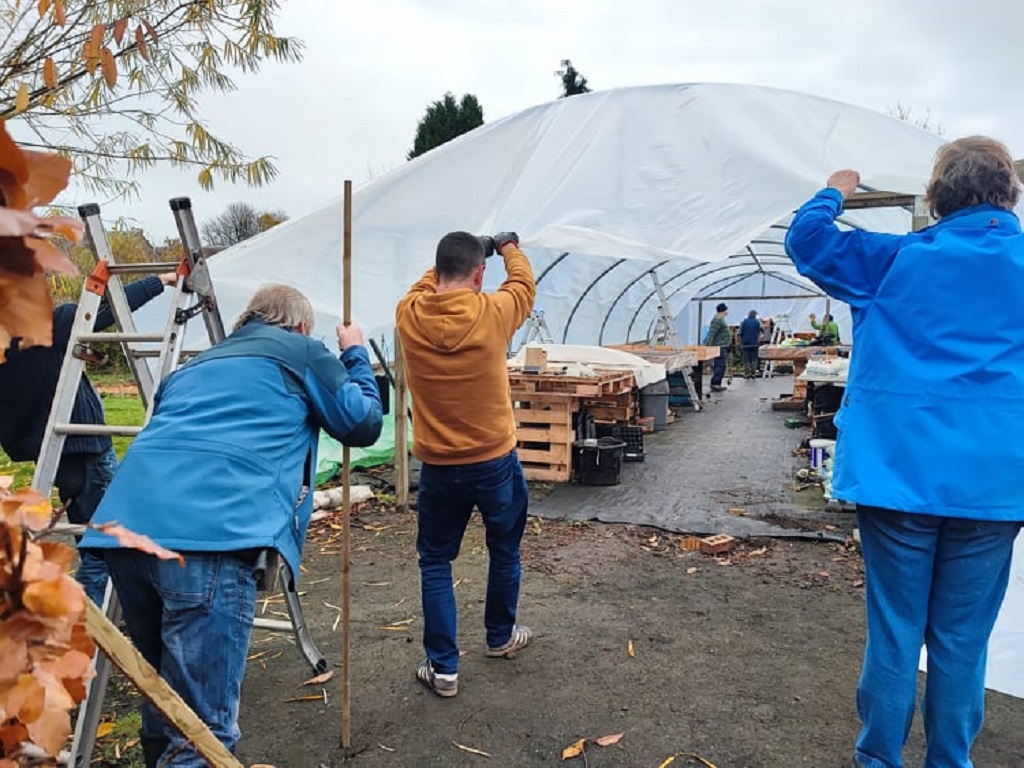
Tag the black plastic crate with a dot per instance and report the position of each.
(633, 437)
(598, 464)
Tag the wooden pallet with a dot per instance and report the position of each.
(604, 384)
(545, 437)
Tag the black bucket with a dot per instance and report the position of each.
(600, 463)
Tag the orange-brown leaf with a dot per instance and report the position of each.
(140, 43)
(81, 640)
(50, 73)
(151, 31)
(96, 36)
(13, 659)
(573, 750)
(58, 13)
(51, 730)
(11, 736)
(607, 741)
(26, 306)
(69, 664)
(47, 176)
(60, 597)
(26, 508)
(24, 700)
(44, 6)
(132, 540)
(109, 68)
(58, 553)
(119, 27)
(67, 227)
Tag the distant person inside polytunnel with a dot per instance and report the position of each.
(828, 329)
(750, 339)
(929, 446)
(719, 336)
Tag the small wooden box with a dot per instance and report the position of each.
(536, 360)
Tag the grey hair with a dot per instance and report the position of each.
(972, 171)
(279, 305)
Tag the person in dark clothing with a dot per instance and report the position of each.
(719, 336)
(750, 339)
(28, 384)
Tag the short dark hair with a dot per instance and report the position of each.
(458, 254)
(752, 313)
(972, 171)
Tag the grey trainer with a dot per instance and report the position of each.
(443, 685)
(521, 637)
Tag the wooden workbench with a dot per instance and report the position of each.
(674, 359)
(798, 356)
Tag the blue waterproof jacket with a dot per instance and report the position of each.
(934, 409)
(750, 332)
(228, 458)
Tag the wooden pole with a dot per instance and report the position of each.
(126, 657)
(346, 499)
(401, 430)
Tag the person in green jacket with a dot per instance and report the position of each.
(719, 336)
(827, 327)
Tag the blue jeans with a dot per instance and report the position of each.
(937, 581)
(447, 496)
(718, 366)
(83, 478)
(192, 623)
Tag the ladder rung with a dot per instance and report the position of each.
(144, 267)
(128, 337)
(185, 353)
(97, 429)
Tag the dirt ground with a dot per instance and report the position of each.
(747, 660)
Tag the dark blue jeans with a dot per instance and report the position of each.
(718, 366)
(83, 478)
(936, 581)
(447, 496)
(192, 623)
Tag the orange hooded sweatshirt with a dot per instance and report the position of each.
(455, 356)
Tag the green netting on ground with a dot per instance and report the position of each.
(382, 452)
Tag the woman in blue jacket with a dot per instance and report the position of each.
(222, 472)
(932, 391)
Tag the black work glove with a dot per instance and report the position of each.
(488, 245)
(504, 238)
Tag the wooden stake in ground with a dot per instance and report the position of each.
(401, 431)
(346, 500)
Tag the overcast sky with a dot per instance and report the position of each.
(350, 108)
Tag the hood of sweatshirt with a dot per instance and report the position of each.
(447, 320)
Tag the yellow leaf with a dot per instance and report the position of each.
(630, 650)
(50, 72)
(668, 761)
(607, 741)
(109, 68)
(573, 750)
(104, 729)
(21, 100)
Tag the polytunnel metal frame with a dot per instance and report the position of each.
(761, 261)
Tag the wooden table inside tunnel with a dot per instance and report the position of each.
(798, 356)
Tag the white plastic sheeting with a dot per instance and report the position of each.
(605, 188)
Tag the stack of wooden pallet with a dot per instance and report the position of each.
(544, 404)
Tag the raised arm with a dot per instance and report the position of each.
(848, 265)
(516, 295)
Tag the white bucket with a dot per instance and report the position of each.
(820, 450)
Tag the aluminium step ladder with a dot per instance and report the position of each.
(193, 295)
(666, 334)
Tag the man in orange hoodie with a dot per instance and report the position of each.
(454, 338)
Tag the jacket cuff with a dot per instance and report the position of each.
(834, 195)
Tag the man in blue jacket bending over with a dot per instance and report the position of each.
(221, 473)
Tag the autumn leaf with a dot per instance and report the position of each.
(667, 761)
(630, 650)
(109, 68)
(472, 750)
(140, 43)
(119, 27)
(11, 736)
(21, 99)
(151, 31)
(26, 508)
(320, 678)
(13, 659)
(58, 13)
(607, 741)
(24, 700)
(131, 540)
(50, 73)
(50, 730)
(96, 36)
(573, 750)
(61, 597)
(44, 6)
(105, 729)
